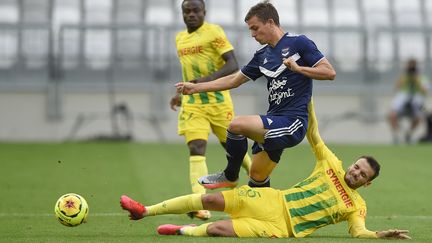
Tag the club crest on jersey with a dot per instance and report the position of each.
(285, 52)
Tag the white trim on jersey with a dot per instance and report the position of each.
(295, 56)
(262, 47)
(272, 74)
(281, 68)
(245, 75)
(279, 132)
(318, 62)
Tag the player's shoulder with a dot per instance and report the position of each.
(297, 38)
(181, 34)
(290, 35)
(261, 49)
(211, 27)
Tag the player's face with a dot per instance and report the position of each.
(259, 30)
(193, 14)
(359, 174)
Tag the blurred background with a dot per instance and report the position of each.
(105, 69)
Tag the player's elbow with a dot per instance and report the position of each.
(235, 85)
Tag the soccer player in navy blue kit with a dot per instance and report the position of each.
(289, 63)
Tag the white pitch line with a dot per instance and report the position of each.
(421, 217)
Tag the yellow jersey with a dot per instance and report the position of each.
(324, 198)
(200, 54)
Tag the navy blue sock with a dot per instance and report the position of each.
(254, 183)
(236, 148)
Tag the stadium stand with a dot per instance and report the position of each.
(112, 47)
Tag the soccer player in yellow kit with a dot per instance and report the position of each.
(327, 196)
(205, 54)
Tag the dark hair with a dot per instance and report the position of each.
(264, 11)
(373, 164)
(202, 1)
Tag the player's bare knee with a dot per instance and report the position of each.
(197, 147)
(214, 201)
(236, 126)
(216, 229)
(209, 200)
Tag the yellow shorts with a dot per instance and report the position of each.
(256, 212)
(196, 122)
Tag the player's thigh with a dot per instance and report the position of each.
(258, 203)
(256, 212)
(250, 126)
(193, 124)
(250, 227)
(399, 101)
(283, 132)
(220, 117)
(418, 106)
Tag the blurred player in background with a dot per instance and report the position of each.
(205, 54)
(327, 196)
(411, 90)
(289, 63)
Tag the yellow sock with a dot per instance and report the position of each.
(178, 205)
(247, 162)
(200, 230)
(197, 168)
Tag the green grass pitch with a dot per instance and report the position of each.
(34, 175)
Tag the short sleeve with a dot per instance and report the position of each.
(251, 70)
(309, 51)
(220, 42)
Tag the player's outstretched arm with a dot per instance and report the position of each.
(394, 234)
(224, 83)
(312, 134)
(357, 228)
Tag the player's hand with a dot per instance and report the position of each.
(291, 64)
(394, 234)
(175, 102)
(185, 88)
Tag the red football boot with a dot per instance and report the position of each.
(136, 209)
(171, 229)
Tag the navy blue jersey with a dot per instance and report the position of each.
(289, 92)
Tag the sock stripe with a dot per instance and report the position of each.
(235, 136)
(259, 182)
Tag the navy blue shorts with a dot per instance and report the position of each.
(283, 132)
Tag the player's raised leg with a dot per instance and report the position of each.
(177, 205)
(239, 130)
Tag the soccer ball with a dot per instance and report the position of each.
(71, 209)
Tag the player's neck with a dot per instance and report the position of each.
(193, 29)
(277, 35)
